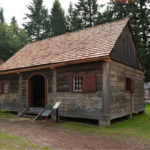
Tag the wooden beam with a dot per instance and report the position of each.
(53, 66)
(106, 94)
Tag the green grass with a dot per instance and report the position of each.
(5, 114)
(8, 142)
(139, 126)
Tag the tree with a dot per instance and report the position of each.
(87, 11)
(57, 19)
(12, 38)
(37, 24)
(73, 20)
(1, 15)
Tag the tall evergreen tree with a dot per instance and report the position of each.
(87, 10)
(73, 20)
(57, 19)
(37, 21)
(1, 15)
(12, 38)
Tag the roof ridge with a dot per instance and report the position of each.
(50, 38)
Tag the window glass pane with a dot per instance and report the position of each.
(77, 83)
(5, 87)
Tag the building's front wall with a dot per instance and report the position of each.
(122, 102)
(10, 101)
(79, 105)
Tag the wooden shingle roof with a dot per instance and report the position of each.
(89, 43)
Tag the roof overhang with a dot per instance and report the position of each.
(54, 66)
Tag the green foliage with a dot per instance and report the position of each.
(87, 11)
(73, 20)
(37, 24)
(12, 38)
(138, 126)
(57, 19)
(1, 15)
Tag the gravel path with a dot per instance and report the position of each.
(59, 138)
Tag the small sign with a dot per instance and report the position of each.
(46, 113)
(56, 105)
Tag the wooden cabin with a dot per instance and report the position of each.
(95, 73)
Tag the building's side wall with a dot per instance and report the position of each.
(122, 102)
(10, 101)
(80, 105)
(125, 50)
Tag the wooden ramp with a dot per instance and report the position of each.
(34, 112)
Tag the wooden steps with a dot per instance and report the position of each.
(32, 112)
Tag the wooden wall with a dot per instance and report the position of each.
(125, 50)
(121, 103)
(108, 102)
(10, 101)
(80, 105)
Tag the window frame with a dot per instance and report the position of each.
(131, 87)
(72, 83)
(84, 83)
(6, 81)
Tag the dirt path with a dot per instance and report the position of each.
(59, 138)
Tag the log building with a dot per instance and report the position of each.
(96, 73)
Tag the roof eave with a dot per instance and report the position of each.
(53, 66)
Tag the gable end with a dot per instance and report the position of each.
(125, 50)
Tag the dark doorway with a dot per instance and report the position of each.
(36, 91)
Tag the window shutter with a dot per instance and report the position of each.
(89, 83)
(132, 86)
(1, 87)
(128, 84)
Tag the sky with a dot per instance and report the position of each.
(18, 8)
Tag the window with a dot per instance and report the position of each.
(77, 83)
(130, 86)
(83, 83)
(6, 87)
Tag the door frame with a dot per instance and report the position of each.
(28, 88)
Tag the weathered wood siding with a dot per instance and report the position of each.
(125, 50)
(122, 102)
(10, 100)
(80, 105)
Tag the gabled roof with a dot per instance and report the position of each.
(89, 43)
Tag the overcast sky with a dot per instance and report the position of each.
(18, 8)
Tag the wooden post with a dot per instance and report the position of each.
(131, 104)
(20, 90)
(106, 94)
(54, 86)
(54, 92)
(57, 116)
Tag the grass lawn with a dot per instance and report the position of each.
(139, 126)
(8, 142)
(5, 114)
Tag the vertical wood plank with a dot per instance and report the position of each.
(106, 95)
(54, 81)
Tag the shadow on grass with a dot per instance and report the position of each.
(139, 126)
